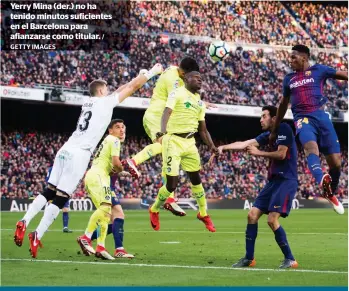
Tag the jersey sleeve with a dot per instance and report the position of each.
(112, 100)
(172, 100)
(263, 139)
(328, 71)
(285, 87)
(202, 111)
(285, 135)
(115, 147)
(171, 84)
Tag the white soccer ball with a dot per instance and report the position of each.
(218, 50)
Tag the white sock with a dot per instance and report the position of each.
(88, 234)
(34, 208)
(49, 217)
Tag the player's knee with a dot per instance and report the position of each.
(194, 178)
(170, 188)
(252, 217)
(49, 193)
(311, 147)
(117, 212)
(273, 222)
(171, 183)
(60, 201)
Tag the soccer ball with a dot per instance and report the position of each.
(218, 50)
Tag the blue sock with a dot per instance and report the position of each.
(118, 232)
(95, 233)
(65, 219)
(281, 239)
(251, 235)
(335, 173)
(314, 165)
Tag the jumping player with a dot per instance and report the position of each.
(73, 157)
(183, 116)
(170, 79)
(315, 131)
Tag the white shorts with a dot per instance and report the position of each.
(69, 168)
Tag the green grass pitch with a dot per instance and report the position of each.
(183, 253)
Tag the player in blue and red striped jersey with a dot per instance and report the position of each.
(315, 131)
(276, 197)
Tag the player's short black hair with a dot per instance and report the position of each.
(94, 85)
(114, 121)
(301, 49)
(189, 64)
(272, 110)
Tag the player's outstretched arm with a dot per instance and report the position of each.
(239, 145)
(282, 109)
(131, 87)
(206, 137)
(279, 154)
(341, 75)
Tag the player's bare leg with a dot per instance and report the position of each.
(199, 193)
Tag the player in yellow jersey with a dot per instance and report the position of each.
(170, 79)
(97, 184)
(184, 115)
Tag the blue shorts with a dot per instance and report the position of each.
(277, 196)
(317, 126)
(67, 204)
(115, 201)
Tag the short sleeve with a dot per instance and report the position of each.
(285, 135)
(328, 71)
(285, 87)
(263, 139)
(112, 100)
(172, 85)
(172, 100)
(115, 148)
(202, 112)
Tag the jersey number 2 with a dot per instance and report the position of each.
(84, 120)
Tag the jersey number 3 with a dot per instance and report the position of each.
(84, 120)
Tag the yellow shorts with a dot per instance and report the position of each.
(97, 185)
(178, 151)
(151, 124)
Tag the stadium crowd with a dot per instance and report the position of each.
(26, 157)
(327, 24)
(269, 22)
(247, 77)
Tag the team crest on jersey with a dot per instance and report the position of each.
(307, 73)
(200, 103)
(187, 104)
(176, 84)
(116, 143)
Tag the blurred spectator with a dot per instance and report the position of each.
(26, 158)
